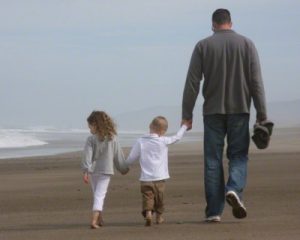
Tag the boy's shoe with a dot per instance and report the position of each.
(148, 218)
(238, 208)
(213, 219)
(159, 219)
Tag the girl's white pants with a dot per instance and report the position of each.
(99, 184)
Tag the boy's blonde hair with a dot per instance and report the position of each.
(105, 126)
(159, 124)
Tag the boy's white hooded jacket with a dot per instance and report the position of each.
(152, 152)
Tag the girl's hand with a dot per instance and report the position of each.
(86, 178)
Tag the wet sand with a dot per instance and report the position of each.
(45, 198)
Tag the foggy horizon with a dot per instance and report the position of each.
(63, 59)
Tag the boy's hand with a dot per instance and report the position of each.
(86, 178)
(188, 123)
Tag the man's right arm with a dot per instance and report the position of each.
(192, 85)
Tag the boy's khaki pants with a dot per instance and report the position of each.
(153, 196)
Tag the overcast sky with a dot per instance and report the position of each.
(62, 59)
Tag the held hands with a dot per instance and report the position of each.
(125, 172)
(188, 123)
(86, 178)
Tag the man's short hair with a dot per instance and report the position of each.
(221, 16)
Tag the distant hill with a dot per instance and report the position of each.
(284, 114)
(139, 120)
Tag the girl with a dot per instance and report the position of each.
(101, 153)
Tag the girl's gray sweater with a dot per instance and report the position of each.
(101, 156)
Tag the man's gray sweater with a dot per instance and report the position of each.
(232, 76)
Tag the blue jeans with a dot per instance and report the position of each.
(216, 127)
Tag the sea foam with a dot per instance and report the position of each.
(10, 138)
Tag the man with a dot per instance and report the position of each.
(230, 66)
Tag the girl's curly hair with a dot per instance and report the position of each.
(105, 126)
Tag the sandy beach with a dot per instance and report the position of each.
(45, 198)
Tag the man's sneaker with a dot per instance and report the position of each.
(238, 208)
(213, 219)
(148, 219)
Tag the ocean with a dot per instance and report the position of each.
(43, 141)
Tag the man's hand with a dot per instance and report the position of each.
(86, 178)
(261, 120)
(188, 123)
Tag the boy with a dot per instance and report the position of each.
(152, 152)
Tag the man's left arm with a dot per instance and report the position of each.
(257, 87)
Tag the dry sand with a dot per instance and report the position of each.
(45, 198)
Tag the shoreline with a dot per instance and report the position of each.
(284, 140)
(69, 142)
